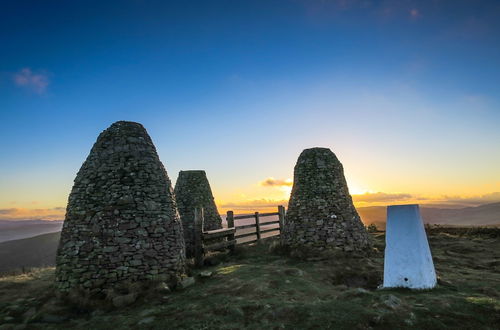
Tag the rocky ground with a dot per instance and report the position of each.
(261, 287)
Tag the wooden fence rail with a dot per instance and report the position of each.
(226, 238)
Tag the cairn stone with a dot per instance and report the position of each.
(320, 213)
(192, 190)
(121, 223)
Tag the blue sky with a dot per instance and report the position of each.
(406, 93)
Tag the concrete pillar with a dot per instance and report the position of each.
(408, 260)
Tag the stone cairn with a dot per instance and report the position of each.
(121, 223)
(320, 213)
(192, 190)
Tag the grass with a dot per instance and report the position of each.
(38, 251)
(261, 288)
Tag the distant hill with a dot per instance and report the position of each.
(18, 229)
(36, 251)
(483, 215)
(40, 250)
(373, 214)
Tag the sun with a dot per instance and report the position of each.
(355, 189)
(287, 190)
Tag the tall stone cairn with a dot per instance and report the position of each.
(192, 190)
(320, 213)
(121, 221)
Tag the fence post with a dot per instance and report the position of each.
(230, 224)
(281, 217)
(257, 225)
(198, 236)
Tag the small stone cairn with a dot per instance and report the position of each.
(320, 213)
(121, 223)
(192, 190)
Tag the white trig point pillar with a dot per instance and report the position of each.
(408, 260)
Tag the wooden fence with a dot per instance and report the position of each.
(227, 238)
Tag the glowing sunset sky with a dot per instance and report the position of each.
(406, 93)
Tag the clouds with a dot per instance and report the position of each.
(270, 204)
(493, 197)
(55, 213)
(272, 182)
(36, 82)
(373, 198)
(380, 197)
(254, 205)
(414, 13)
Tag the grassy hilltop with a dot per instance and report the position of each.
(260, 288)
(37, 251)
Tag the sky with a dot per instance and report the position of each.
(405, 93)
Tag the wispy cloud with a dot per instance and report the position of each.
(493, 197)
(254, 205)
(380, 197)
(34, 81)
(272, 182)
(414, 13)
(55, 213)
(369, 199)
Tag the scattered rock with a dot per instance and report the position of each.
(294, 272)
(206, 273)
(163, 288)
(391, 301)
(124, 300)
(361, 291)
(186, 282)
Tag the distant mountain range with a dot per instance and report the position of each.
(40, 250)
(483, 215)
(30, 252)
(18, 229)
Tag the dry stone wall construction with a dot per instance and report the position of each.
(192, 190)
(320, 213)
(122, 222)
